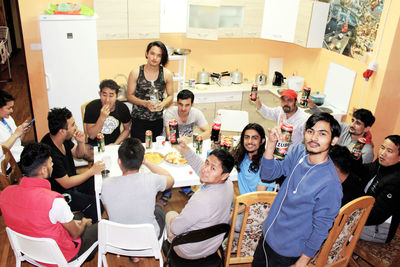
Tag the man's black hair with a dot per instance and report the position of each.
(342, 158)
(240, 151)
(4, 98)
(395, 139)
(185, 94)
(33, 157)
(57, 119)
(365, 116)
(109, 84)
(131, 153)
(226, 159)
(323, 116)
(164, 52)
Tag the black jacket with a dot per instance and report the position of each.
(385, 188)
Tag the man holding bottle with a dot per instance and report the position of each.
(146, 87)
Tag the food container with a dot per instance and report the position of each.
(295, 83)
(237, 77)
(318, 98)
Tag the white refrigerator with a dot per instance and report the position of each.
(69, 46)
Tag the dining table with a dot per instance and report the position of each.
(183, 174)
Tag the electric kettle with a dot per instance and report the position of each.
(261, 79)
(278, 79)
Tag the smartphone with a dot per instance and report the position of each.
(29, 124)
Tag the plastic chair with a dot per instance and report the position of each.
(172, 259)
(44, 250)
(83, 107)
(15, 175)
(233, 120)
(257, 206)
(128, 239)
(343, 236)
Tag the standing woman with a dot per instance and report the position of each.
(10, 134)
(147, 115)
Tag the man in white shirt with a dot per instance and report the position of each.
(188, 117)
(288, 112)
(32, 209)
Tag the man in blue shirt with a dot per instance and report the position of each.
(309, 199)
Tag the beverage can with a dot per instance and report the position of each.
(101, 146)
(304, 96)
(356, 151)
(173, 132)
(253, 94)
(199, 145)
(149, 139)
(282, 146)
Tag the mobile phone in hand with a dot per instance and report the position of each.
(29, 124)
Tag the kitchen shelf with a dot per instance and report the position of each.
(182, 70)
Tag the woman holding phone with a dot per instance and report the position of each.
(10, 134)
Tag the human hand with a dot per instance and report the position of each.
(310, 103)
(150, 105)
(274, 135)
(105, 111)
(97, 167)
(182, 147)
(159, 106)
(257, 103)
(87, 221)
(79, 136)
(22, 129)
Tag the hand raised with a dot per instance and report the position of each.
(105, 111)
(97, 167)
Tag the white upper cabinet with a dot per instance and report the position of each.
(311, 23)
(203, 19)
(143, 19)
(279, 21)
(231, 14)
(253, 18)
(112, 22)
(296, 21)
(173, 16)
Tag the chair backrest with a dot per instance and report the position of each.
(233, 120)
(198, 236)
(35, 250)
(257, 206)
(344, 234)
(15, 175)
(128, 237)
(83, 107)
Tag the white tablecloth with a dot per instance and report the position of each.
(183, 174)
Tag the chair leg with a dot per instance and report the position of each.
(99, 255)
(105, 260)
(353, 262)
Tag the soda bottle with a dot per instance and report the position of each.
(282, 146)
(173, 132)
(253, 95)
(216, 127)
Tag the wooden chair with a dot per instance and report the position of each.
(15, 175)
(257, 206)
(379, 255)
(343, 236)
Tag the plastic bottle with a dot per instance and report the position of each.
(154, 95)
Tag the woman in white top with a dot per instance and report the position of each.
(10, 134)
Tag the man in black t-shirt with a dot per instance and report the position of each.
(106, 114)
(79, 188)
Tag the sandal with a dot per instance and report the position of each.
(164, 199)
(188, 194)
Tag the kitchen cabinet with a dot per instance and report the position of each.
(296, 21)
(112, 21)
(143, 19)
(208, 110)
(203, 19)
(279, 21)
(311, 23)
(253, 17)
(173, 16)
(230, 23)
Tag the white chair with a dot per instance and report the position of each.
(128, 239)
(233, 120)
(44, 250)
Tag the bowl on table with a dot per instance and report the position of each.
(318, 98)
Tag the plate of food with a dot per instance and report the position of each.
(154, 157)
(175, 158)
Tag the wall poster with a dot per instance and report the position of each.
(352, 27)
